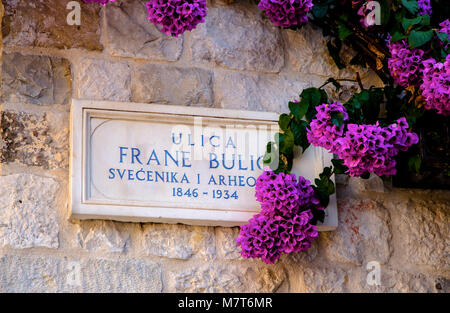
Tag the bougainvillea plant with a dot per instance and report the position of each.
(286, 13)
(286, 222)
(176, 16)
(409, 52)
(408, 49)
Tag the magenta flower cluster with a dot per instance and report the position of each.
(283, 225)
(364, 148)
(445, 27)
(102, 2)
(286, 13)
(424, 7)
(176, 16)
(323, 132)
(282, 194)
(409, 67)
(371, 148)
(404, 63)
(436, 85)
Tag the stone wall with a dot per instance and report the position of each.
(237, 60)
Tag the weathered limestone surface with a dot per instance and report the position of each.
(129, 34)
(179, 241)
(235, 90)
(44, 24)
(40, 139)
(236, 60)
(27, 211)
(423, 228)
(363, 233)
(324, 279)
(236, 37)
(226, 278)
(50, 274)
(226, 243)
(35, 79)
(172, 85)
(102, 80)
(103, 237)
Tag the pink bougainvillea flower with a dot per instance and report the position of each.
(424, 7)
(364, 148)
(282, 193)
(404, 63)
(283, 225)
(268, 237)
(286, 13)
(176, 16)
(322, 131)
(436, 85)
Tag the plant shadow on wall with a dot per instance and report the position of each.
(406, 43)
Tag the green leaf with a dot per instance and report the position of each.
(418, 38)
(320, 10)
(324, 186)
(371, 106)
(337, 118)
(408, 22)
(315, 97)
(299, 130)
(299, 109)
(414, 163)
(344, 31)
(339, 167)
(284, 121)
(318, 216)
(268, 156)
(425, 20)
(444, 37)
(286, 143)
(398, 36)
(411, 6)
(365, 106)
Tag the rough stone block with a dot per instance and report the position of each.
(35, 79)
(35, 139)
(360, 186)
(226, 243)
(172, 85)
(234, 90)
(237, 37)
(390, 280)
(28, 215)
(179, 241)
(423, 229)
(103, 80)
(226, 278)
(102, 236)
(44, 24)
(51, 274)
(363, 233)
(324, 279)
(307, 53)
(130, 34)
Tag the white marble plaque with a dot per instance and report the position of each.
(163, 163)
